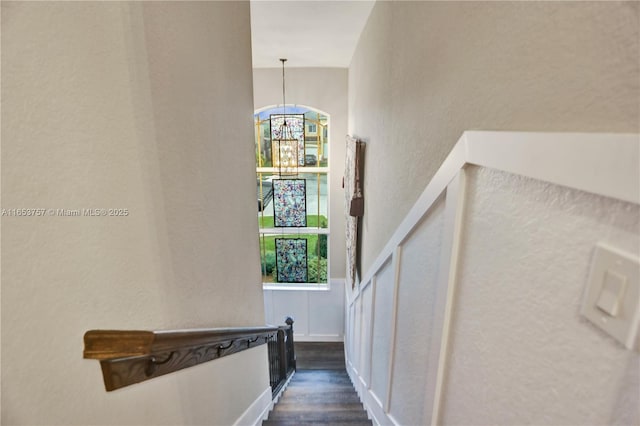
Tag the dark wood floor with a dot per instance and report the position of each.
(320, 393)
(320, 355)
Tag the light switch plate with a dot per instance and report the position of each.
(612, 299)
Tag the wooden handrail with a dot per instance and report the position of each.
(133, 356)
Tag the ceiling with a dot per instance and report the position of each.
(309, 33)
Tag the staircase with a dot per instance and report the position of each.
(320, 392)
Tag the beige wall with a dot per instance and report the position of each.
(324, 89)
(139, 106)
(424, 72)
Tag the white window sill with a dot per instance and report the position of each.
(297, 287)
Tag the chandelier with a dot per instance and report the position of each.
(285, 148)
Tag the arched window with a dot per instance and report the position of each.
(292, 167)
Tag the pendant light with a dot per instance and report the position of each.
(285, 148)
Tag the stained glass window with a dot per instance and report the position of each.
(295, 124)
(290, 203)
(282, 215)
(291, 260)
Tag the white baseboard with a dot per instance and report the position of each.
(257, 411)
(371, 404)
(260, 408)
(277, 397)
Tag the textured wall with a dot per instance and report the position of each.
(324, 89)
(424, 72)
(519, 344)
(126, 105)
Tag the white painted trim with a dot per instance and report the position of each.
(352, 294)
(245, 419)
(306, 230)
(281, 391)
(301, 170)
(355, 381)
(607, 165)
(362, 385)
(257, 411)
(454, 218)
(319, 338)
(352, 328)
(369, 400)
(397, 256)
(376, 411)
(453, 163)
(600, 163)
(369, 372)
(311, 323)
(349, 365)
(307, 311)
(296, 287)
(361, 335)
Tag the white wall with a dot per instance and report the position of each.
(126, 105)
(424, 72)
(324, 89)
(520, 353)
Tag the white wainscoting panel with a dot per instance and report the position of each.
(367, 337)
(318, 314)
(414, 325)
(400, 349)
(357, 335)
(384, 282)
(350, 345)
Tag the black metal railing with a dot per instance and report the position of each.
(282, 357)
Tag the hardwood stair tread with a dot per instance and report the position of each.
(294, 406)
(320, 416)
(315, 423)
(320, 392)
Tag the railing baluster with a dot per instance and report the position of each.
(282, 355)
(282, 358)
